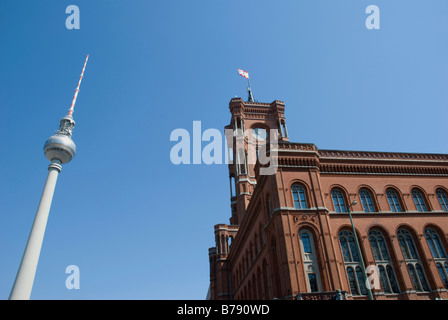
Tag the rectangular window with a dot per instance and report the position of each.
(312, 280)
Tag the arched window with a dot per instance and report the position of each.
(383, 261)
(438, 253)
(269, 207)
(412, 259)
(379, 247)
(419, 200)
(266, 281)
(274, 268)
(338, 200)
(394, 202)
(232, 187)
(257, 247)
(443, 271)
(306, 244)
(299, 197)
(241, 164)
(366, 200)
(352, 263)
(260, 228)
(310, 262)
(443, 199)
(434, 243)
(260, 285)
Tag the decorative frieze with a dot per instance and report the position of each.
(297, 146)
(397, 170)
(382, 155)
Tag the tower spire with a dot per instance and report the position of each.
(72, 107)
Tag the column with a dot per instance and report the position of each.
(27, 271)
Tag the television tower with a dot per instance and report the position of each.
(58, 149)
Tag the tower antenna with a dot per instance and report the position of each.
(72, 107)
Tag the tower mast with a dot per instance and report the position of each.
(59, 149)
(72, 107)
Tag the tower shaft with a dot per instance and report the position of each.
(27, 271)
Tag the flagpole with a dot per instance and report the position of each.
(245, 74)
(249, 89)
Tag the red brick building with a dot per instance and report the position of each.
(290, 235)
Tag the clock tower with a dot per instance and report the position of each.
(252, 125)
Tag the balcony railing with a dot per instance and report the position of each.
(324, 295)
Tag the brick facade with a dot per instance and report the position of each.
(290, 234)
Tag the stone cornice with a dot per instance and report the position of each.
(361, 155)
(366, 155)
(350, 168)
(307, 155)
(256, 109)
(383, 170)
(296, 147)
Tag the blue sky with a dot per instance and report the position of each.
(137, 226)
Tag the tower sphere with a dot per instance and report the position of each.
(60, 145)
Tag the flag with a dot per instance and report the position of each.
(243, 73)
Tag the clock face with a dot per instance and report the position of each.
(259, 133)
